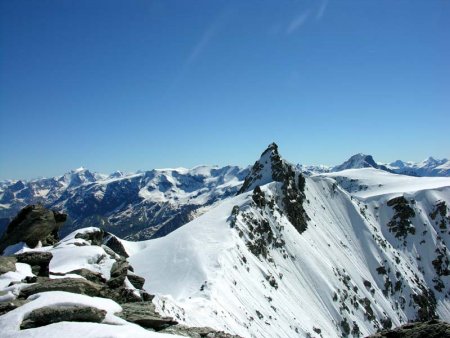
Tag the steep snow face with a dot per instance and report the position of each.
(137, 206)
(363, 263)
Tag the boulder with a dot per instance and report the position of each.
(39, 261)
(119, 271)
(95, 237)
(7, 264)
(67, 313)
(120, 268)
(197, 332)
(430, 329)
(114, 244)
(84, 287)
(116, 282)
(135, 280)
(74, 285)
(145, 315)
(89, 275)
(123, 295)
(33, 224)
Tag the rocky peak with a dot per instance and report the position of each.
(356, 162)
(78, 176)
(269, 168)
(431, 162)
(272, 168)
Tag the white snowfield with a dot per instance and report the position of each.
(368, 182)
(204, 274)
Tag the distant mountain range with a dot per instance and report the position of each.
(151, 204)
(136, 206)
(429, 167)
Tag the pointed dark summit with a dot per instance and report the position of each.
(267, 169)
(272, 168)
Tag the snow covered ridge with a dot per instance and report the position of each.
(136, 206)
(374, 255)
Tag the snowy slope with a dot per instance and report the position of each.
(245, 268)
(368, 182)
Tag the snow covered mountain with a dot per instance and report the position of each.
(428, 167)
(358, 161)
(331, 255)
(137, 206)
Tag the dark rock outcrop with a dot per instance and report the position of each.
(92, 276)
(430, 329)
(137, 281)
(272, 168)
(197, 332)
(400, 224)
(39, 261)
(68, 313)
(145, 315)
(74, 285)
(7, 264)
(94, 237)
(114, 244)
(32, 225)
(119, 294)
(119, 272)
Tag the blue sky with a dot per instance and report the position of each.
(131, 85)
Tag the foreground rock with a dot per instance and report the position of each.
(94, 237)
(113, 243)
(74, 285)
(145, 315)
(38, 260)
(83, 287)
(197, 332)
(32, 225)
(430, 329)
(69, 313)
(91, 276)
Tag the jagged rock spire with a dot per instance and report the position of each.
(272, 168)
(267, 169)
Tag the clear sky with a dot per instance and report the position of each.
(127, 85)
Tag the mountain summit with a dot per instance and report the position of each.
(267, 169)
(357, 161)
(272, 168)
